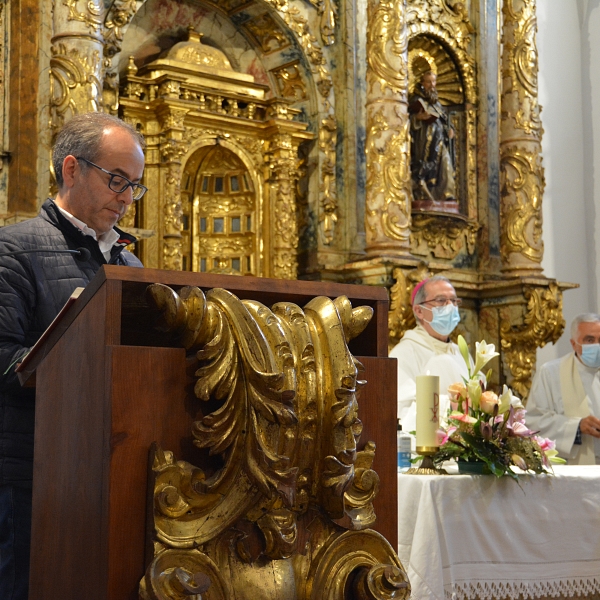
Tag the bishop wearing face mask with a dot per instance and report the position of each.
(564, 402)
(426, 349)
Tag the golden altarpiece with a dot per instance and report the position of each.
(278, 143)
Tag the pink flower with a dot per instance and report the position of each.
(545, 443)
(520, 430)
(458, 416)
(488, 402)
(519, 415)
(456, 390)
(444, 436)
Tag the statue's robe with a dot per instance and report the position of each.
(432, 156)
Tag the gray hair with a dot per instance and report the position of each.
(422, 291)
(82, 137)
(583, 318)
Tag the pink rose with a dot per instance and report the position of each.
(457, 390)
(488, 401)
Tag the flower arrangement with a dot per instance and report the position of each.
(486, 428)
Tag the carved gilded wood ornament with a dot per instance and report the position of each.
(286, 513)
(189, 103)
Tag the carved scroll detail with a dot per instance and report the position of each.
(281, 389)
(387, 144)
(543, 322)
(522, 173)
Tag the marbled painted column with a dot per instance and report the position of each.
(76, 61)
(521, 171)
(388, 194)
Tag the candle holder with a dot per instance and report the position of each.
(426, 467)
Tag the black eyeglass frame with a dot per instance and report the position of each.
(134, 186)
(455, 301)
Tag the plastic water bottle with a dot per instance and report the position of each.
(403, 449)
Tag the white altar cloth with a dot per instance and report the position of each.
(462, 536)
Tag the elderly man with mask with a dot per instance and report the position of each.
(564, 402)
(426, 349)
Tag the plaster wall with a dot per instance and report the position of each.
(569, 92)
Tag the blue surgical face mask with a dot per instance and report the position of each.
(590, 355)
(445, 319)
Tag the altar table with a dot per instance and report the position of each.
(466, 537)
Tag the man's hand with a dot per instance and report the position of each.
(590, 426)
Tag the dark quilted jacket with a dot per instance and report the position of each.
(33, 288)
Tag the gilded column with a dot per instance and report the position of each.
(76, 61)
(388, 194)
(283, 173)
(521, 171)
(172, 148)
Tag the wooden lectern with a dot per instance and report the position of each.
(109, 385)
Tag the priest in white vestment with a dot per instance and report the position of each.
(427, 349)
(564, 402)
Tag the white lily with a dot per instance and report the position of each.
(464, 350)
(483, 354)
(505, 400)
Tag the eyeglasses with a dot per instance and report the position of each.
(119, 183)
(442, 301)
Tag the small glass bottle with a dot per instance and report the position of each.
(404, 444)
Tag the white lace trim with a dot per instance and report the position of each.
(517, 590)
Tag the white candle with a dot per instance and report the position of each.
(428, 410)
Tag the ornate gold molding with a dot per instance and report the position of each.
(91, 17)
(543, 322)
(75, 85)
(327, 10)
(172, 149)
(282, 161)
(401, 317)
(522, 190)
(329, 208)
(290, 82)
(387, 45)
(388, 194)
(443, 236)
(291, 493)
(294, 19)
(522, 174)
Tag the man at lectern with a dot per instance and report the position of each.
(564, 402)
(427, 348)
(98, 162)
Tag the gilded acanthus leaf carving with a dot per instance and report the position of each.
(522, 187)
(521, 63)
(92, 17)
(329, 208)
(280, 389)
(388, 45)
(543, 322)
(388, 178)
(522, 174)
(75, 86)
(444, 237)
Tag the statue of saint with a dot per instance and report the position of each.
(432, 144)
